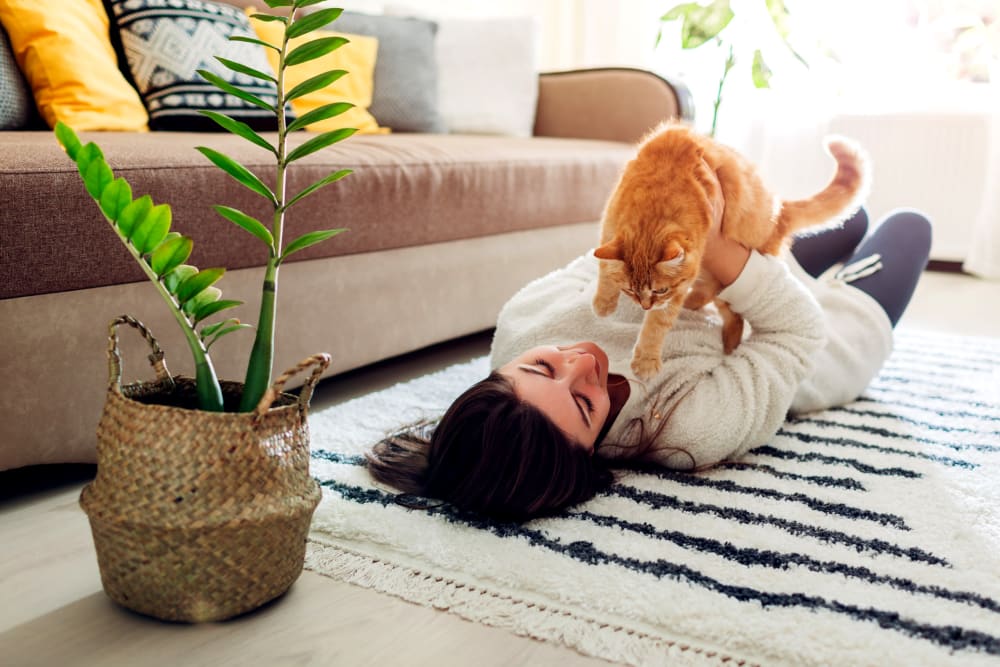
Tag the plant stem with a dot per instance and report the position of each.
(206, 381)
(730, 61)
(258, 376)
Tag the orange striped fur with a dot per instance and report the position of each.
(658, 218)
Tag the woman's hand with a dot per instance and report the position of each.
(723, 257)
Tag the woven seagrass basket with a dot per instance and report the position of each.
(199, 516)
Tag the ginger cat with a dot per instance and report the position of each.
(656, 223)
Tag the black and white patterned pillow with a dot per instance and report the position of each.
(166, 42)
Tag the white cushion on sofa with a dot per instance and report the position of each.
(487, 75)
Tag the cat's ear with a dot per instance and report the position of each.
(610, 250)
(673, 253)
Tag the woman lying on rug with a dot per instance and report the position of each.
(521, 443)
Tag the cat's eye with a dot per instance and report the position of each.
(662, 290)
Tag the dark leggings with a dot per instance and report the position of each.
(903, 239)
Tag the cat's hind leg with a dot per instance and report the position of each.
(702, 292)
(732, 326)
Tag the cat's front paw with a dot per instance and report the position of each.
(645, 368)
(604, 306)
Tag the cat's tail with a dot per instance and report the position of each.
(838, 200)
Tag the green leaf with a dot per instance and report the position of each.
(278, 3)
(319, 142)
(151, 231)
(258, 42)
(210, 329)
(313, 21)
(703, 23)
(133, 214)
(679, 11)
(206, 297)
(97, 177)
(299, 4)
(313, 49)
(760, 71)
(210, 309)
(240, 173)
(336, 176)
(779, 16)
(68, 139)
(225, 331)
(170, 254)
(239, 128)
(116, 196)
(310, 239)
(86, 155)
(320, 113)
(315, 83)
(243, 69)
(270, 17)
(173, 279)
(227, 87)
(252, 225)
(192, 286)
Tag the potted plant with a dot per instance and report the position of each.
(202, 500)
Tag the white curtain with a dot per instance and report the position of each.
(984, 252)
(597, 33)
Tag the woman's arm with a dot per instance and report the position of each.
(740, 401)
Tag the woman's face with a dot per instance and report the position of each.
(568, 383)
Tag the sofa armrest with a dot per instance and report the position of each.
(612, 103)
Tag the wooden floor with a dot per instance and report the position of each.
(54, 612)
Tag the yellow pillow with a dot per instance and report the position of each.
(356, 87)
(64, 51)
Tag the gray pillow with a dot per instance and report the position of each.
(17, 105)
(406, 77)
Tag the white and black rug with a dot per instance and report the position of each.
(864, 535)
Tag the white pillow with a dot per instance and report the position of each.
(487, 75)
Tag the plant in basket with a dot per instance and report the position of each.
(202, 500)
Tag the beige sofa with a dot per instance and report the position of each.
(443, 229)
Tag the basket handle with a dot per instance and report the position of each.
(156, 359)
(320, 361)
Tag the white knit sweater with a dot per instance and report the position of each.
(812, 344)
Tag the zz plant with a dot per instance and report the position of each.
(144, 228)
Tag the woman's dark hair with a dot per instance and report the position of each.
(495, 454)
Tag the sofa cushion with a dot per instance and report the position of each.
(165, 44)
(487, 75)
(406, 78)
(406, 190)
(357, 58)
(63, 49)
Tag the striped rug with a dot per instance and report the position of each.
(863, 535)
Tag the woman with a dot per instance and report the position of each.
(538, 434)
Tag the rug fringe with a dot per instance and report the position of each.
(586, 635)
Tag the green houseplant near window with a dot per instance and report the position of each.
(707, 24)
(203, 514)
